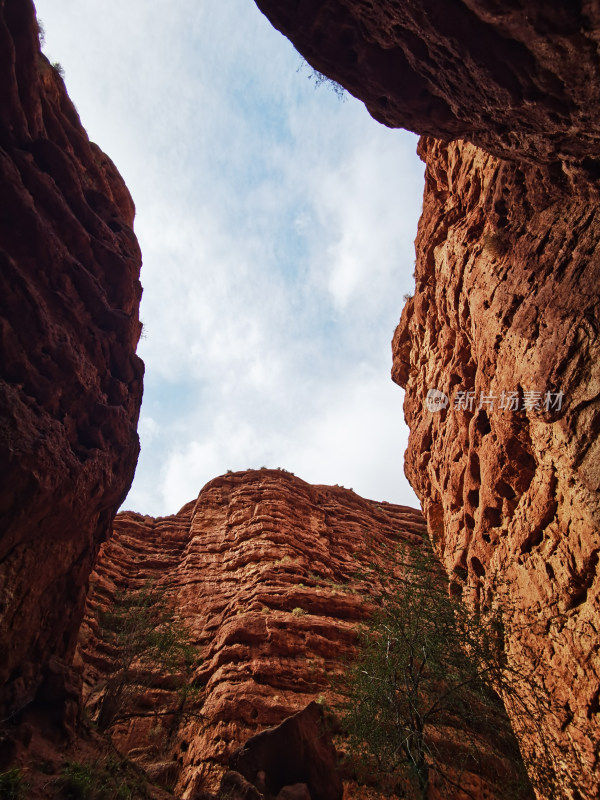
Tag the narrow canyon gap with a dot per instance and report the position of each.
(506, 299)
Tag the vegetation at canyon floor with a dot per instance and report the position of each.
(145, 640)
(420, 709)
(11, 784)
(104, 779)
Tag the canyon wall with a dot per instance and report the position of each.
(504, 320)
(504, 323)
(517, 78)
(270, 576)
(71, 385)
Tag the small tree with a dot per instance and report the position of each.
(145, 639)
(420, 708)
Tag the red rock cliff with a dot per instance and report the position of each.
(262, 570)
(508, 304)
(70, 386)
(506, 300)
(516, 78)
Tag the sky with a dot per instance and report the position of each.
(276, 223)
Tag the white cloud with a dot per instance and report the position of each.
(357, 439)
(354, 437)
(276, 225)
(373, 228)
(148, 430)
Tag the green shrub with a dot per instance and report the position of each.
(323, 80)
(76, 781)
(11, 784)
(98, 781)
(145, 638)
(413, 686)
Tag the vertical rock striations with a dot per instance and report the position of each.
(70, 383)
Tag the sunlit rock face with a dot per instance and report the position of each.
(70, 383)
(504, 320)
(269, 575)
(506, 301)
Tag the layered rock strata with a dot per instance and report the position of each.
(70, 385)
(263, 570)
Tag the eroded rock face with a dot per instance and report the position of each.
(506, 307)
(506, 300)
(262, 570)
(70, 385)
(297, 753)
(517, 78)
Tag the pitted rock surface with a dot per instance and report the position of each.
(506, 308)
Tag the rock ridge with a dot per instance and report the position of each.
(263, 570)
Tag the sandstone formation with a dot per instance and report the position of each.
(506, 301)
(70, 385)
(516, 78)
(262, 570)
(298, 756)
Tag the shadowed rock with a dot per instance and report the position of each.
(299, 751)
(70, 383)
